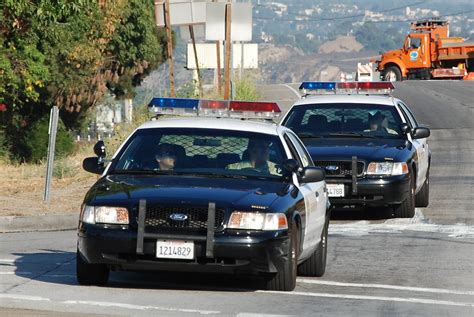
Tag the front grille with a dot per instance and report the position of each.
(157, 219)
(340, 168)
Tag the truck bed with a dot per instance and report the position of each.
(455, 51)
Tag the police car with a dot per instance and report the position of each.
(373, 149)
(205, 194)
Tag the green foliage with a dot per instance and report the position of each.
(68, 53)
(35, 142)
(246, 89)
(372, 38)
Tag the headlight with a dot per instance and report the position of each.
(387, 168)
(257, 221)
(102, 214)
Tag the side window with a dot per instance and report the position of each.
(409, 115)
(411, 123)
(302, 153)
(294, 152)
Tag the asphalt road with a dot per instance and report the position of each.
(422, 266)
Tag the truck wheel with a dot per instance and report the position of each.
(90, 274)
(392, 73)
(285, 280)
(407, 208)
(422, 199)
(316, 264)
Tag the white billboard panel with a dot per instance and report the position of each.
(182, 12)
(207, 56)
(241, 22)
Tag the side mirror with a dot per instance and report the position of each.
(290, 166)
(99, 149)
(421, 133)
(405, 128)
(92, 165)
(312, 174)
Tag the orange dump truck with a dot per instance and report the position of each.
(428, 53)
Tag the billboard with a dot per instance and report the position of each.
(207, 56)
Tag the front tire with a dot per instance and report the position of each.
(392, 73)
(407, 208)
(316, 264)
(90, 274)
(285, 280)
(422, 199)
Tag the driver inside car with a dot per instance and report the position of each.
(165, 157)
(258, 158)
(379, 122)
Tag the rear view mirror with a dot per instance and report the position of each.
(421, 133)
(290, 166)
(312, 174)
(92, 165)
(405, 128)
(99, 149)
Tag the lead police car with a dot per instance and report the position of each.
(374, 151)
(206, 194)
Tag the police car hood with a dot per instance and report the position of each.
(364, 149)
(187, 190)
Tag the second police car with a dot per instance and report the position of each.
(206, 195)
(373, 149)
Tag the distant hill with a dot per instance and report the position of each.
(342, 44)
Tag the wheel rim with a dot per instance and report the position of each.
(391, 76)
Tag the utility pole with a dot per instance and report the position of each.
(228, 22)
(219, 74)
(170, 45)
(196, 60)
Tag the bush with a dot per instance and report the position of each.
(4, 153)
(35, 143)
(246, 89)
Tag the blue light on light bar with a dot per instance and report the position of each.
(311, 85)
(174, 103)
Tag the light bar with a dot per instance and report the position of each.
(347, 87)
(174, 106)
(214, 108)
(322, 87)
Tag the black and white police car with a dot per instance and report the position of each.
(373, 149)
(206, 194)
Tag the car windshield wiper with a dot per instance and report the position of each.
(350, 135)
(145, 172)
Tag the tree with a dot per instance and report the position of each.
(69, 53)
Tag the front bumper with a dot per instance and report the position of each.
(372, 191)
(234, 251)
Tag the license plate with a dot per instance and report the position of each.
(175, 249)
(335, 190)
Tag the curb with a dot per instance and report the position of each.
(10, 224)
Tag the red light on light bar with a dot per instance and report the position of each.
(347, 85)
(376, 85)
(214, 104)
(254, 106)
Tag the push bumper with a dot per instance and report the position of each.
(367, 191)
(233, 251)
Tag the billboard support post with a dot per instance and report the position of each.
(228, 12)
(196, 60)
(169, 36)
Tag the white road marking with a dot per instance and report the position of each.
(418, 224)
(375, 298)
(296, 92)
(384, 286)
(108, 304)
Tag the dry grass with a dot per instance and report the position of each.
(22, 187)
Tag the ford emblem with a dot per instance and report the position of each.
(332, 168)
(178, 217)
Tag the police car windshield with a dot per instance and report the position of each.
(345, 120)
(209, 152)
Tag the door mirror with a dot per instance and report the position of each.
(290, 166)
(92, 165)
(405, 128)
(421, 133)
(99, 149)
(312, 174)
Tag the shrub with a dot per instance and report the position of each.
(245, 89)
(35, 143)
